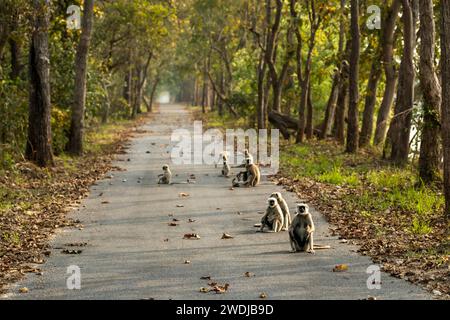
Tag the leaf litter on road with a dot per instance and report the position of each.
(191, 236)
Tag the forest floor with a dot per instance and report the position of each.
(137, 238)
(34, 201)
(381, 208)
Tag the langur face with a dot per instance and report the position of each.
(165, 168)
(271, 202)
(301, 209)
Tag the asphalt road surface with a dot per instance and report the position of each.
(133, 253)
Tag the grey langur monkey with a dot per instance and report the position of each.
(273, 218)
(166, 176)
(301, 230)
(225, 168)
(284, 208)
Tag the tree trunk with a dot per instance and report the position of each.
(399, 131)
(369, 107)
(309, 117)
(353, 113)
(341, 107)
(75, 145)
(260, 104)
(152, 94)
(16, 65)
(330, 111)
(430, 140)
(387, 40)
(39, 142)
(445, 67)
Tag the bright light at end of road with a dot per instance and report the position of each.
(164, 97)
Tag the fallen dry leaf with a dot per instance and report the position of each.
(205, 278)
(191, 236)
(220, 289)
(191, 220)
(183, 194)
(204, 290)
(187, 262)
(340, 268)
(172, 224)
(67, 251)
(263, 295)
(249, 274)
(24, 290)
(227, 236)
(180, 206)
(105, 202)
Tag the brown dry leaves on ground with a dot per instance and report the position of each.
(39, 200)
(383, 236)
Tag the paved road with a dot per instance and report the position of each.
(128, 255)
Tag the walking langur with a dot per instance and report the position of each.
(284, 208)
(166, 176)
(301, 230)
(273, 218)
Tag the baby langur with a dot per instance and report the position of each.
(225, 167)
(273, 218)
(301, 230)
(284, 208)
(166, 176)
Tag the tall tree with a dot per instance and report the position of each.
(400, 128)
(369, 106)
(387, 60)
(337, 79)
(315, 21)
(431, 90)
(353, 113)
(445, 61)
(39, 142)
(75, 145)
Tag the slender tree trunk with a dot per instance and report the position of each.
(16, 65)
(39, 143)
(399, 132)
(222, 88)
(260, 110)
(388, 31)
(431, 89)
(309, 117)
(330, 111)
(353, 113)
(445, 67)
(369, 107)
(341, 109)
(152, 94)
(205, 88)
(75, 145)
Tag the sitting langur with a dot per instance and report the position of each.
(249, 178)
(301, 230)
(225, 167)
(273, 218)
(284, 208)
(166, 176)
(247, 156)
